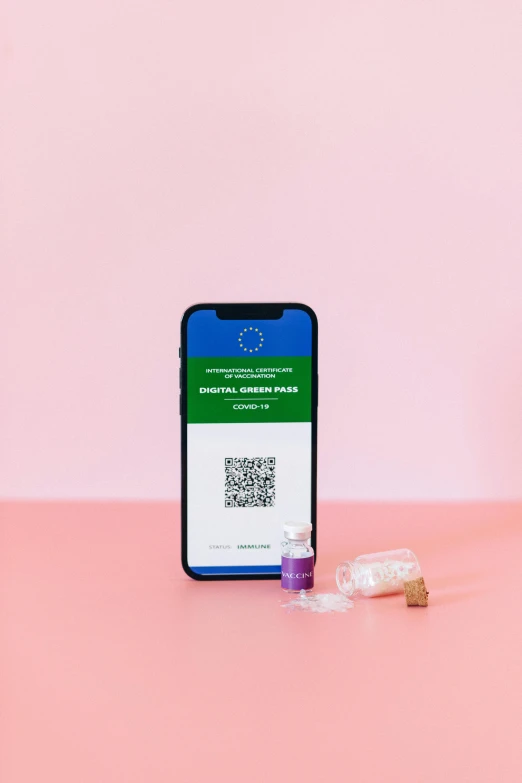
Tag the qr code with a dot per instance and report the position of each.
(249, 482)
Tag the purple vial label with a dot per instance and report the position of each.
(297, 573)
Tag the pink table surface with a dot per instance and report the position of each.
(117, 667)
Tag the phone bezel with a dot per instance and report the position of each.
(254, 310)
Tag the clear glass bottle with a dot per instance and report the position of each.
(381, 573)
(297, 559)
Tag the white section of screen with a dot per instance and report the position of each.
(210, 523)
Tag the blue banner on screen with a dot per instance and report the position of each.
(290, 335)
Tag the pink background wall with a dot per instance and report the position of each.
(364, 157)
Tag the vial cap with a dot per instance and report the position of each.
(297, 531)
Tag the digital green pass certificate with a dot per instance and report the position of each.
(249, 439)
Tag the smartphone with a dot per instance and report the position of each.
(248, 406)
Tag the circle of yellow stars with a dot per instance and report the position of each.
(247, 330)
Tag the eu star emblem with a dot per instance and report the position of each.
(250, 339)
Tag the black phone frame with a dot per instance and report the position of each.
(239, 311)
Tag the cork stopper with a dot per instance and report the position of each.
(416, 593)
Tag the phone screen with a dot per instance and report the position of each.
(248, 438)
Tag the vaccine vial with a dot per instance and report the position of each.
(381, 573)
(297, 560)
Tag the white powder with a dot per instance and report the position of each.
(319, 602)
(383, 578)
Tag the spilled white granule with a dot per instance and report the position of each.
(319, 602)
